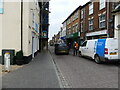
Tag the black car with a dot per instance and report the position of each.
(61, 49)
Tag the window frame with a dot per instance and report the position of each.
(101, 21)
(91, 24)
(102, 4)
(91, 8)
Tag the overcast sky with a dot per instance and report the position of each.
(60, 10)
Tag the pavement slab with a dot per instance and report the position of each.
(39, 73)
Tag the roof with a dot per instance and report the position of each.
(80, 7)
(72, 13)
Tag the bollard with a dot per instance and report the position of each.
(7, 61)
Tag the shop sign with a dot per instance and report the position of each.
(97, 33)
(73, 35)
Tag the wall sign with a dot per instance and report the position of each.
(1, 7)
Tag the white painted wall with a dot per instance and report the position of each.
(30, 8)
(10, 35)
(11, 26)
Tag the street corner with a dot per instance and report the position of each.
(12, 68)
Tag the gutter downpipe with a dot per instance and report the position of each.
(21, 24)
(108, 18)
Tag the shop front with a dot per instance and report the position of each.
(97, 35)
(72, 38)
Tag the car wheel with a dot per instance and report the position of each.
(97, 59)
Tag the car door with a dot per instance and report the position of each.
(83, 48)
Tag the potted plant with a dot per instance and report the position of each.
(19, 58)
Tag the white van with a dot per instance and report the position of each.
(100, 49)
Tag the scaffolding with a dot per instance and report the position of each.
(44, 24)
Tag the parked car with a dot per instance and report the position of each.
(101, 50)
(61, 49)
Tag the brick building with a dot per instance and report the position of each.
(97, 20)
(73, 26)
(91, 21)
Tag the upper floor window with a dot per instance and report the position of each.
(91, 24)
(68, 21)
(102, 21)
(102, 4)
(81, 26)
(82, 13)
(76, 28)
(91, 9)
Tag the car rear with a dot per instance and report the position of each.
(62, 49)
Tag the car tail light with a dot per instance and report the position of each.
(106, 50)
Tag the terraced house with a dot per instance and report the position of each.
(20, 27)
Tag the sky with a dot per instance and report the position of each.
(60, 10)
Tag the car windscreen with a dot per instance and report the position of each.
(62, 45)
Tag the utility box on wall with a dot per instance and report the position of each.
(12, 55)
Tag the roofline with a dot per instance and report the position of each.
(72, 13)
(80, 7)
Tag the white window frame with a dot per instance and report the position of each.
(91, 24)
(101, 21)
(102, 4)
(82, 14)
(90, 8)
(76, 27)
(81, 24)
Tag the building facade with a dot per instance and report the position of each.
(20, 29)
(97, 20)
(73, 27)
(64, 31)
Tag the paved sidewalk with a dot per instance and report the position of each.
(12, 68)
(40, 73)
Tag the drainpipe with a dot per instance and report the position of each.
(21, 24)
(108, 18)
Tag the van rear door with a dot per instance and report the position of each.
(112, 45)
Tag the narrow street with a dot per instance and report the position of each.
(48, 70)
(84, 73)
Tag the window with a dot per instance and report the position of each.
(76, 28)
(81, 26)
(91, 9)
(102, 4)
(84, 44)
(82, 13)
(33, 21)
(102, 22)
(91, 24)
(114, 4)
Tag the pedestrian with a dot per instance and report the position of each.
(75, 48)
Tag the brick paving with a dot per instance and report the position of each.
(40, 73)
